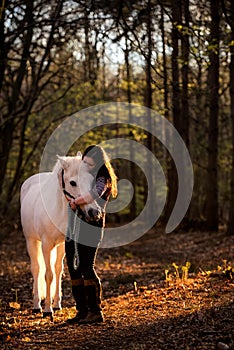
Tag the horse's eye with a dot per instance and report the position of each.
(73, 183)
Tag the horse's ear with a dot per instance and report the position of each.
(79, 154)
(63, 161)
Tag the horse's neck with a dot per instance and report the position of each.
(53, 194)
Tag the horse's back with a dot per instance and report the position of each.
(31, 204)
(32, 185)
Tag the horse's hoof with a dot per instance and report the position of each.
(36, 311)
(47, 314)
(57, 308)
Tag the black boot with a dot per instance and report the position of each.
(78, 292)
(93, 292)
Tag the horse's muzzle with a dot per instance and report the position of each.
(94, 214)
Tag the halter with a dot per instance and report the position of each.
(67, 194)
(79, 212)
(76, 224)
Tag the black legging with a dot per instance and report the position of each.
(90, 237)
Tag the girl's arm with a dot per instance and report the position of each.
(95, 193)
(99, 188)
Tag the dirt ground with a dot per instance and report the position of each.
(160, 292)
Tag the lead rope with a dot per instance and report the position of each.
(75, 235)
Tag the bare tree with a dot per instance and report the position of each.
(213, 103)
(228, 10)
(184, 72)
(33, 34)
(176, 13)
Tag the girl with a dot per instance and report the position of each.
(86, 285)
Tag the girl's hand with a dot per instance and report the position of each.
(72, 204)
(81, 200)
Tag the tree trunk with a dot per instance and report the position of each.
(230, 228)
(165, 76)
(185, 66)
(176, 106)
(3, 49)
(131, 148)
(148, 103)
(213, 102)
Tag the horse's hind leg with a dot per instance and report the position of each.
(58, 267)
(38, 270)
(46, 249)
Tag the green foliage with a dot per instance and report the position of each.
(225, 270)
(106, 61)
(180, 274)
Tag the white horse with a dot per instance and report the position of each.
(44, 214)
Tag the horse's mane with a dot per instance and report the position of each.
(68, 159)
(56, 167)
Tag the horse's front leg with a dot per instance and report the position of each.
(58, 274)
(46, 249)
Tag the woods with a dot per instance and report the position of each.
(133, 76)
(176, 57)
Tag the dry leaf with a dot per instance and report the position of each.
(14, 305)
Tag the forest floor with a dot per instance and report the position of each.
(149, 301)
